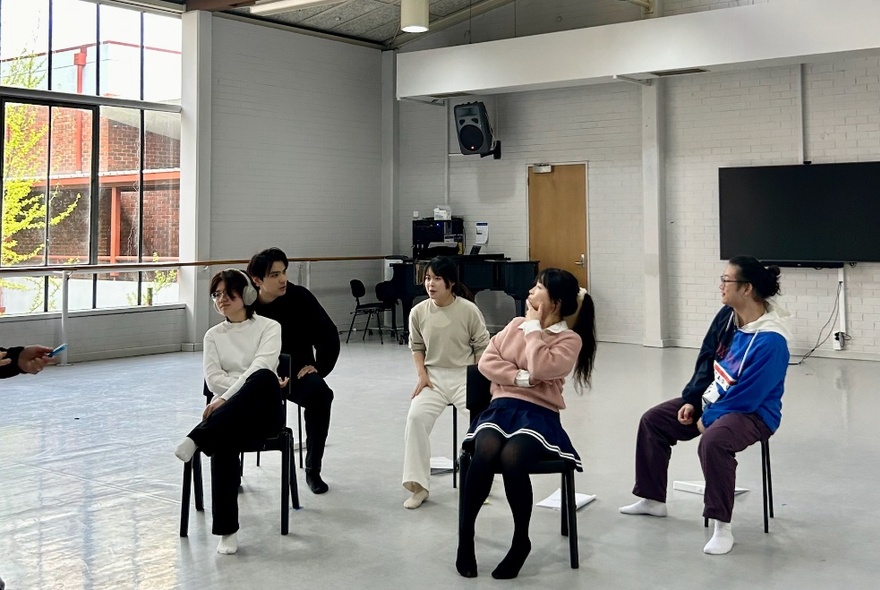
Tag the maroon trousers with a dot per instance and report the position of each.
(659, 430)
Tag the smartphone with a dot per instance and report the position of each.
(60, 348)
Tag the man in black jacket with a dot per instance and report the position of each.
(311, 339)
(23, 359)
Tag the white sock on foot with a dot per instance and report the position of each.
(414, 501)
(186, 449)
(228, 544)
(645, 506)
(722, 541)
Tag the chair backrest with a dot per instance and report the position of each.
(357, 289)
(385, 294)
(478, 391)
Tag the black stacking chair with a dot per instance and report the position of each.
(283, 442)
(767, 482)
(368, 309)
(478, 398)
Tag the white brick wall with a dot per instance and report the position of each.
(736, 119)
(753, 118)
(598, 125)
(297, 152)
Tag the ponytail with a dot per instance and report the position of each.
(585, 326)
(576, 307)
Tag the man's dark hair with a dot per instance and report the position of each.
(262, 262)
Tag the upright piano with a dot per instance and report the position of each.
(477, 273)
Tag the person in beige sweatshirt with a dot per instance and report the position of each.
(446, 334)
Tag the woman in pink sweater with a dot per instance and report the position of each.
(527, 363)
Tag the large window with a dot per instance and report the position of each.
(90, 181)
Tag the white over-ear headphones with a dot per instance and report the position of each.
(249, 296)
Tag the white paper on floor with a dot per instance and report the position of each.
(441, 464)
(554, 500)
(699, 487)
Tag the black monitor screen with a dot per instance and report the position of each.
(801, 215)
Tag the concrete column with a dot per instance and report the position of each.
(654, 200)
(390, 155)
(195, 173)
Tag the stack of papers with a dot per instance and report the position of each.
(441, 465)
(699, 487)
(554, 500)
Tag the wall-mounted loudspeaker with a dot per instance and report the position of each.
(474, 132)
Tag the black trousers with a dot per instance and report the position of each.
(254, 413)
(312, 393)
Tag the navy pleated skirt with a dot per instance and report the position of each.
(511, 416)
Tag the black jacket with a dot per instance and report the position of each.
(11, 370)
(714, 347)
(308, 334)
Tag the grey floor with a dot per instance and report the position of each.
(91, 490)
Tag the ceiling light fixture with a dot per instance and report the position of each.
(414, 16)
(269, 7)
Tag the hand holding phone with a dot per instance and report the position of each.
(59, 349)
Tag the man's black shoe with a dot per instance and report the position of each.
(315, 483)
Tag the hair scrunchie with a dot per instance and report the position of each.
(570, 319)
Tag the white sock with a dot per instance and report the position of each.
(722, 541)
(418, 496)
(645, 506)
(186, 449)
(228, 544)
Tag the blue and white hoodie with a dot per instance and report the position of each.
(750, 375)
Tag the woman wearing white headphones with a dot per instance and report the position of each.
(241, 362)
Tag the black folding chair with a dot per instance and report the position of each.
(283, 442)
(368, 309)
(478, 398)
(767, 482)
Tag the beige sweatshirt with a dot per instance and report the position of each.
(452, 336)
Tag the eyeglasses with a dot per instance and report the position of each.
(218, 294)
(724, 279)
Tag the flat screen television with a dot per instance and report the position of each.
(805, 215)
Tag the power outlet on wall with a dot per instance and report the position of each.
(839, 341)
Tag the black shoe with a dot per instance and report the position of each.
(315, 483)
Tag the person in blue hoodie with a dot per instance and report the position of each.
(734, 398)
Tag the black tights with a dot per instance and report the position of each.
(512, 457)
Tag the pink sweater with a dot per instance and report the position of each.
(548, 357)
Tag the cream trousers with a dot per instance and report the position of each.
(450, 387)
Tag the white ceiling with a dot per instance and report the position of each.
(377, 21)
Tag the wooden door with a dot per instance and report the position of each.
(558, 219)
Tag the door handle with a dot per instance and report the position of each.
(581, 262)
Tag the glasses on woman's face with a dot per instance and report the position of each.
(726, 279)
(216, 295)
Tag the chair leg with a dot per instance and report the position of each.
(366, 326)
(285, 484)
(197, 481)
(184, 498)
(351, 327)
(299, 433)
(563, 504)
(379, 321)
(294, 486)
(464, 463)
(572, 519)
(454, 446)
(768, 483)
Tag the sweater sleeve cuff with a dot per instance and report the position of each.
(522, 378)
(530, 326)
